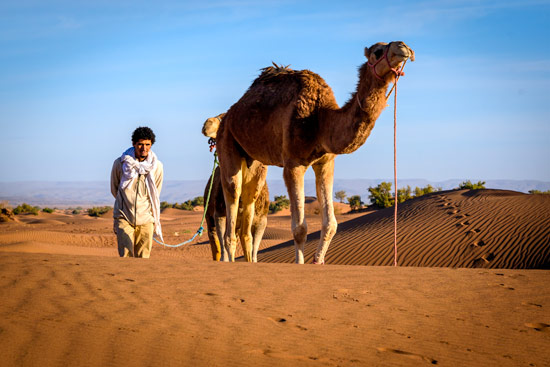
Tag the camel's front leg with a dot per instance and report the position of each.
(324, 177)
(294, 180)
(231, 183)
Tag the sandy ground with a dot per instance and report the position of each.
(472, 289)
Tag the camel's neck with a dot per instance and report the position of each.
(346, 129)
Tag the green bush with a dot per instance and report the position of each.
(198, 201)
(47, 210)
(340, 195)
(26, 209)
(472, 186)
(355, 202)
(404, 194)
(539, 192)
(419, 191)
(188, 205)
(381, 195)
(98, 211)
(280, 203)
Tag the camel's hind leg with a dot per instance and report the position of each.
(253, 181)
(258, 233)
(213, 238)
(220, 232)
(294, 180)
(324, 177)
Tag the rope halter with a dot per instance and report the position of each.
(397, 72)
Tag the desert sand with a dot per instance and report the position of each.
(471, 289)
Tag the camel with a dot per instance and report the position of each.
(216, 216)
(216, 211)
(290, 119)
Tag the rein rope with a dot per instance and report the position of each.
(398, 74)
(199, 232)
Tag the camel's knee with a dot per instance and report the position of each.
(300, 233)
(330, 228)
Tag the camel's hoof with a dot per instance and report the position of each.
(318, 263)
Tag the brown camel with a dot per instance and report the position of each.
(216, 210)
(216, 217)
(291, 119)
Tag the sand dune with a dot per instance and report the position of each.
(478, 228)
(67, 299)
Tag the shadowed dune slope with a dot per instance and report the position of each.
(462, 228)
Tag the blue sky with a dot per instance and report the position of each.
(77, 77)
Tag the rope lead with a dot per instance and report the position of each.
(201, 228)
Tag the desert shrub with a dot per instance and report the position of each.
(26, 209)
(76, 211)
(419, 191)
(183, 206)
(47, 210)
(471, 186)
(198, 201)
(340, 195)
(187, 205)
(6, 214)
(355, 202)
(539, 192)
(98, 211)
(381, 195)
(280, 203)
(404, 194)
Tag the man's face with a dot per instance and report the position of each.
(142, 147)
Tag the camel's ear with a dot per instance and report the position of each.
(367, 52)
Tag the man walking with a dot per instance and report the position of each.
(136, 181)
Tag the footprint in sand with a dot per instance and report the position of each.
(283, 321)
(418, 357)
(473, 231)
(462, 224)
(484, 259)
(478, 243)
(531, 304)
(538, 326)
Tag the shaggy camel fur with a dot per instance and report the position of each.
(215, 221)
(291, 119)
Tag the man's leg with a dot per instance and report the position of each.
(144, 240)
(125, 238)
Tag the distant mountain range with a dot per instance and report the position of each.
(97, 193)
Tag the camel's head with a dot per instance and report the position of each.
(211, 126)
(387, 58)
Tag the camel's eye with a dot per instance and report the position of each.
(378, 53)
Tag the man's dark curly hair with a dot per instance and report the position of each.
(144, 133)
